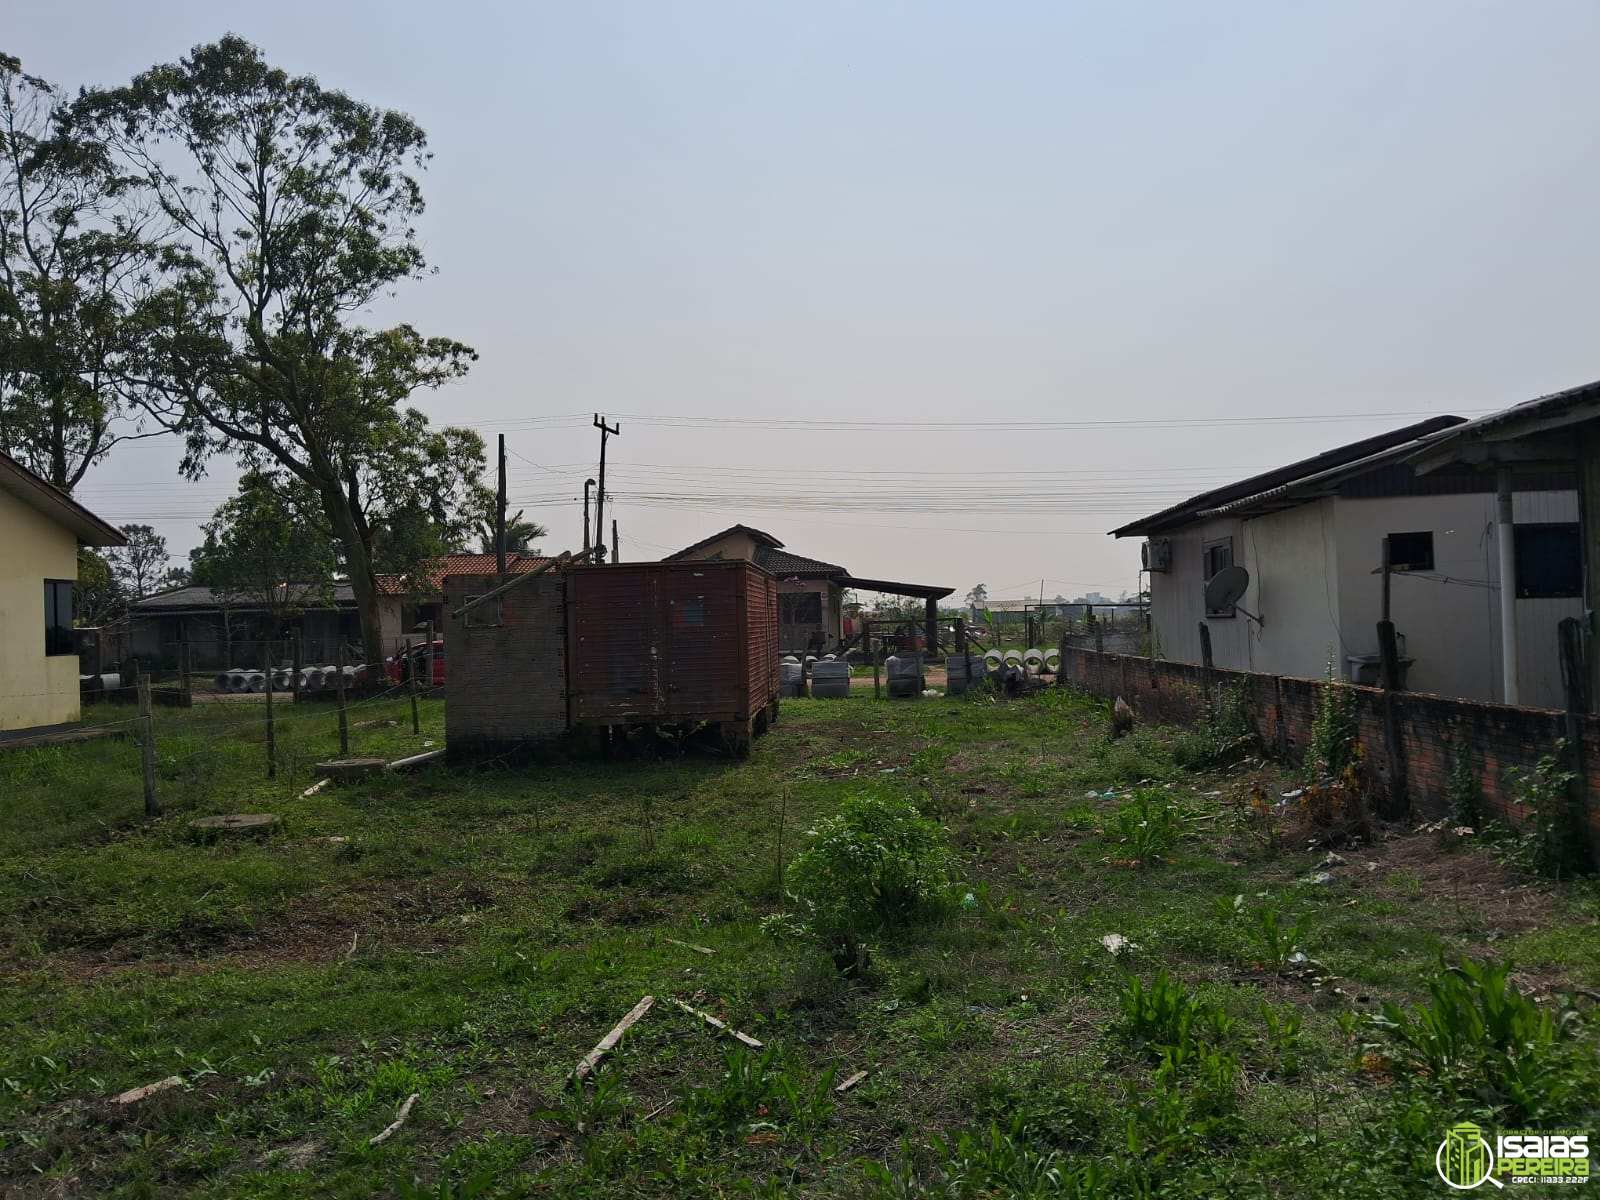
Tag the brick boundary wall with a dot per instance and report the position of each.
(1434, 730)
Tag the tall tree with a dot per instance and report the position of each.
(138, 565)
(521, 533)
(291, 207)
(267, 546)
(75, 265)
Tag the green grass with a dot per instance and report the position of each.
(468, 937)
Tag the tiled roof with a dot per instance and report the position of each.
(437, 569)
(785, 565)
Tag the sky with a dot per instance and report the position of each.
(942, 292)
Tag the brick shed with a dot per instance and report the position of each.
(507, 688)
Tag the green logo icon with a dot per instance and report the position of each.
(1465, 1159)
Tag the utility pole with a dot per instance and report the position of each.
(500, 515)
(616, 543)
(587, 484)
(600, 492)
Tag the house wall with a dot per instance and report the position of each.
(736, 544)
(1452, 629)
(1177, 599)
(506, 691)
(1435, 731)
(34, 689)
(794, 638)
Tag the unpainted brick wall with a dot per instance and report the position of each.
(1434, 730)
(505, 686)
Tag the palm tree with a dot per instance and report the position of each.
(520, 535)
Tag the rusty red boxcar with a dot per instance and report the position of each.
(673, 643)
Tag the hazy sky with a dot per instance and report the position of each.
(943, 219)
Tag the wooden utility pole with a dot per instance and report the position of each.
(338, 690)
(500, 515)
(866, 642)
(272, 733)
(600, 492)
(1206, 659)
(185, 681)
(147, 749)
(298, 666)
(1575, 675)
(616, 543)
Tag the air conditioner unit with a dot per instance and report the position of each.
(1157, 554)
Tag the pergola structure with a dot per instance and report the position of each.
(932, 595)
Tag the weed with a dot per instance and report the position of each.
(1334, 730)
(1466, 799)
(1271, 935)
(1481, 1038)
(1552, 841)
(1221, 734)
(1168, 1019)
(587, 1103)
(1147, 826)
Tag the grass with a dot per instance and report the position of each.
(467, 937)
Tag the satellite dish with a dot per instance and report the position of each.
(1226, 588)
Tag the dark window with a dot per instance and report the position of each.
(1219, 554)
(58, 638)
(1548, 561)
(1411, 551)
(487, 614)
(800, 608)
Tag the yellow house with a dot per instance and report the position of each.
(41, 529)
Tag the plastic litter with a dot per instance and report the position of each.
(1117, 944)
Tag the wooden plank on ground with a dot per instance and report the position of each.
(400, 1119)
(605, 1045)
(134, 1095)
(417, 760)
(851, 1082)
(692, 946)
(719, 1025)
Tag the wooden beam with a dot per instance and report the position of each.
(606, 1044)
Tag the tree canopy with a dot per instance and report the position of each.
(288, 211)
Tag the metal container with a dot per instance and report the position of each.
(673, 643)
(830, 680)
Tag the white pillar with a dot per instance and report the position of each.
(1504, 534)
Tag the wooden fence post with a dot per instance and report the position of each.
(1575, 675)
(344, 720)
(1206, 659)
(185, 675)
(428, 653)
(147, 748)
(298, 666)
(272, 733)
(1398, 803)
(411, 674)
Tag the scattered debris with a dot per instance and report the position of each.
(1372, 866)
(850, 1083)
(1117, 944)
(399, 1120)
(692, 946)
(605, 1044)
(1333, 860)
(350, 768)
(239, 823)
(1121, 718)
(1321, 877)
(416, 760)
(1294, 795)
(932, 692)
(374, 723)
(719, 1025)
(656, 1112)
(134, 1095)
(315, 788)
(354, 938)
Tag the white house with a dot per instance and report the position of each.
(1311, 537)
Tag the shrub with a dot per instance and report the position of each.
(1551, 841)
(1147, 826)
(1334, 730)
(876, 863)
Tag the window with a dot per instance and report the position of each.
(1411, 551)
(1219, 554)
(1549, 564)
(800, 608)
(58, 639)
(489, 614)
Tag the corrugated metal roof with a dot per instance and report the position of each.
(194, 598)
(1269, 482)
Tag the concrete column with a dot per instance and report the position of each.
(1505, 528)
